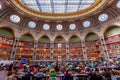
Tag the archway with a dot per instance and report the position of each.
(93, 47)
(75, 48)
(6, 42)
(112, 39)
(43, 48)
(59, 48)
(25, 47)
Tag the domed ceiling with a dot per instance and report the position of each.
(58, 6)
(50, 15)
(59, 9)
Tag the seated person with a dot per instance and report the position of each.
(40, 75)
(95, 76)
(26, 76)
(52, 75)
(106, 73)
(67, 76)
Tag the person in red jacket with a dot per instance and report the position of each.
(67, 76)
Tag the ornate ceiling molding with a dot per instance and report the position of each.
(17, 4)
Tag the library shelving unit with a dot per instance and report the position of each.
(75, 50)
(113, 45)
(5, 47)
(59, 50)
(43, 51)
(25, 50)
(93, 49)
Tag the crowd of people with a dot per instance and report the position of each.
(75, 70)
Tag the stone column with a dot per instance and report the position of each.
(35, 49)
(14, 48)
(67, 50)
(51, 49)
(84, 49)
(104, 47)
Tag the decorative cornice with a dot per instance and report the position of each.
(59, 16)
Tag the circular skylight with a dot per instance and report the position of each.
(72, 26)
(32, 24)
(46, 27)
(118, 4)
(86, 24)
(103, 17)
(59, 27)
(15, 18)
(58, 6)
